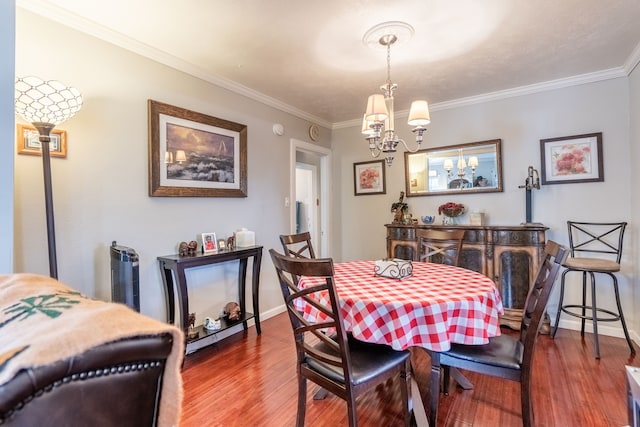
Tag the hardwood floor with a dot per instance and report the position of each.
(249, 380)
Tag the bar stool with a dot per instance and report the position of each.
(594, 238)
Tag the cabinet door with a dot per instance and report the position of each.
(473, 258)
(515, 273)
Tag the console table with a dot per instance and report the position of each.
(508, 255)
(172, 268)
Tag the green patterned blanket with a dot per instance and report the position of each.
(43, 320)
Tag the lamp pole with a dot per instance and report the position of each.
(46, 104)
(44, 130)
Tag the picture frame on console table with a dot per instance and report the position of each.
(572, 159)
(209, 243)
(195, 155)
(369, 178)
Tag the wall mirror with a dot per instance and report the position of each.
(475, 167)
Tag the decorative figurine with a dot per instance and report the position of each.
(232, 310)
(192, 332)
(192, 247)
(183, 249)
(231, 242)
(400, 208)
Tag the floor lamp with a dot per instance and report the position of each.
(46, 104)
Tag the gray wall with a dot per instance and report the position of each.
(100, 189)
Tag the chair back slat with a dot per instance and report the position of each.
(308, 333)
(536, 302)
(297, 245)
(440, 246)
(596, 238)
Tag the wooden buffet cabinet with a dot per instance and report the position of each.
(509, 255)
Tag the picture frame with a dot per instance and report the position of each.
(28, 142)
(369, 178)
(222, 244)
(209, 243)
(572, 159)
(195, 155)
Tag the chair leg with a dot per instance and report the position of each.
(434, 397)
(405, 392)
(351, 409)
(584, 301)
(302, 400)
(527, 407)
(555, 326)
(594, 310)
(446, 379)
(624, 324)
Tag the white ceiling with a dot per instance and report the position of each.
(308, 57)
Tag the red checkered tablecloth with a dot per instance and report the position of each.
(436, 306)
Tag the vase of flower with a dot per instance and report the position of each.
(450, 212)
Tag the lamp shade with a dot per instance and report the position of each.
(448, 164)
(366, 126)
(376, 109)
(181, 156)
(473, 161)
(461, 163)
(39, 101)
(419, 113)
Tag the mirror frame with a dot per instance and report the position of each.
(455, 150)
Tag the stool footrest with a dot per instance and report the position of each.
(614, 316)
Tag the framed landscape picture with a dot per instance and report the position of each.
(28, 142)
(369, 178)
(195, 155)
(572, 159)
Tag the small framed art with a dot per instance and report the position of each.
(28, 142)
(209, 243)
(572, 159)
(369, 178)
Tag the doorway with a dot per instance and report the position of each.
(310, 183)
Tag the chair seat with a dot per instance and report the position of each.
(592, 264)
(502, 351)
(367, 361)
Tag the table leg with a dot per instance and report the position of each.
(416, 404)
(242, 290)
(255, 284)
(167, 281)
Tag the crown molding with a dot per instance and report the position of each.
(581, 79)
(91, 28)
(57, 14)
(633, 60)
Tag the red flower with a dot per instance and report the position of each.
(451, 209)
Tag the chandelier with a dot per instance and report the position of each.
(378, 123)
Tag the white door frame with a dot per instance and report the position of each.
(325, 186)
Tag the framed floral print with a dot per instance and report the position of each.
(369, 178)
(572, 159)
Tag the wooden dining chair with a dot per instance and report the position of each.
(343, 366)
(504, 356)
(440, 246)
(596, 248)
(297, 245)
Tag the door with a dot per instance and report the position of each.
(310, 183)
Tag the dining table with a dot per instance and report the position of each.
(434, 307)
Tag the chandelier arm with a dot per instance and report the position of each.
(409, 149)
